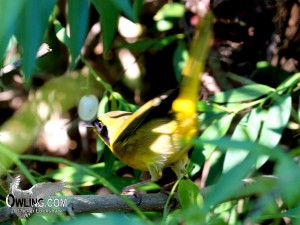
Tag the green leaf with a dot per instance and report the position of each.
(10, 11)
(203, 106)
(126, 7)
(274, 123)
(290, 82)
(170, 10)
(33, 21)
(288, 174)
(103, 105)
(109, 160)
(197, 156)
(247, 129)
(179, 59)
(108, 218)
(61, 34)
(189, 194)
(245, 93)
(292, 213)
(238, 78)
(299, 110)
(229, 183)
(78, 15)
(153, 44)
(164, 25)
(137, 7)
(140, 45)
(109, 15)
(254, 124)
(215, 131)
(100, 146)
(73, 175)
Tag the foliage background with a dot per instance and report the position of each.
(249, 108)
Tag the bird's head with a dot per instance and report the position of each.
(107, 125)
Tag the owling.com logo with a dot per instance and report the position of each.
(26, 202)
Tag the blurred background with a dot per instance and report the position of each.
(126, 52)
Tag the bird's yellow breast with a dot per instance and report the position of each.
(156, 142)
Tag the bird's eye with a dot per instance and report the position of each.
(101, 130)
(98, 126)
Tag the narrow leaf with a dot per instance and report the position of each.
(61, 33)
(78, 15)
(10, 12)
(275, 121)
(103, 105)
(289, 82)
(179, 59)
(126, 7)
(245, 93)
(32, 25)
(137, 6)
(109, 15)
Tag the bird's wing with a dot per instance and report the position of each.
(157, 107)
(41, 190)
(15, 184)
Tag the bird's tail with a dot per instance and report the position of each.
(185, 104)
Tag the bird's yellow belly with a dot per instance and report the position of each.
(163, 146)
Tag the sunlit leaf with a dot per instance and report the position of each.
(245, 93)
(78, 15)
(61, 33)
(189, 194)
(225, 142)
(73, 175)
(274, 123)
(164, 25)
(103, 105)
(289, 82)
(170, 10)
(215, 131)
(247, 129)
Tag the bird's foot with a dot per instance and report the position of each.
(132, 188)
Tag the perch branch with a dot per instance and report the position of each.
(146, 202)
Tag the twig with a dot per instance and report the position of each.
(146, 202)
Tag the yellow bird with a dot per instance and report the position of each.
(159, 133)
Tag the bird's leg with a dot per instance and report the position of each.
(156, 174)
(179, 166)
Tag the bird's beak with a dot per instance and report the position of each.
(87, 124)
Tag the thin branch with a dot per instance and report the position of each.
(146, 202)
